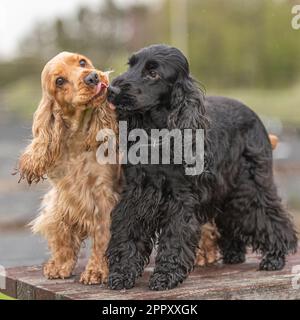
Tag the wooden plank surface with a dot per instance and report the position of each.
(241, 281)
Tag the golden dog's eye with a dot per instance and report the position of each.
(60, 81)
(82, 63)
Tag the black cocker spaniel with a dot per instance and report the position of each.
(160, 202)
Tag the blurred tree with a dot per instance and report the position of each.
(242, 43)
(231, 43)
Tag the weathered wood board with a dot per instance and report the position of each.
(241, 281)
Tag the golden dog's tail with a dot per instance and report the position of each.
(274, 140)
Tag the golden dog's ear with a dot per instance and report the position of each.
(102, 118)
(45, 146)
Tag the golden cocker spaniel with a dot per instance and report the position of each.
(72, 111)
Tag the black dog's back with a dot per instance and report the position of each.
(234, 131)
(230, 119)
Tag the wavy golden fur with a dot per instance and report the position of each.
(63, 148)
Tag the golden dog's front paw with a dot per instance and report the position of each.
(53, 270)
(30, 169)
(94, 276)
(200, 259)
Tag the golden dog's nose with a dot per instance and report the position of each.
(92, 79)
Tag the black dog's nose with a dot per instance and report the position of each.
(113, 91)
(92, 79)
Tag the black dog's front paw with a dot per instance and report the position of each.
(163, 281)
(119, 281)
(271, 263)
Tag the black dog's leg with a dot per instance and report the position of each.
(129, 248)
(132, 238)
(254, 216)
(177, 246)
(232, 247)
(279, 237)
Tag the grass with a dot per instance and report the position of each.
(23, 97)
(4, 297)
(276, 103)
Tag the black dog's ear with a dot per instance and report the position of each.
(187, 106)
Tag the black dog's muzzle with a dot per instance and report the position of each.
(112, 93)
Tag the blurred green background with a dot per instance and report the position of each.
(246, 48)
(239, 48)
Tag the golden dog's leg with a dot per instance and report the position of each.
(208, 248)
(64, 245)
(96, 270)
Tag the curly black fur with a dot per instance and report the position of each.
(161, 203)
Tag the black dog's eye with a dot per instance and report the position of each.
(153, 74)
(132, 61)
(82, 63)
(60, 81)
